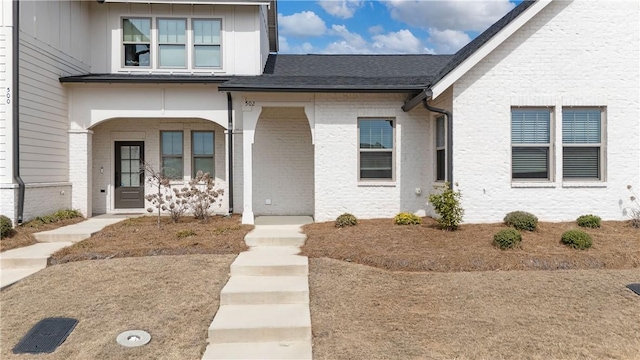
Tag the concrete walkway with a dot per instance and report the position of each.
(19, 263)
(264, 307)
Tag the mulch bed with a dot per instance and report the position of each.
(381, 243)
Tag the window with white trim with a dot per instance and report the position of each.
(171, 149)
(531, 150)
(376, 149)
(172, 43)
(441, 148)
(582, 143)
(202, 152)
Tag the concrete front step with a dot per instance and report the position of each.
(80, 231)
(248, 290)
(269, 263)
(10, 276)
(30, 256)
(296, 350)
(260, 323)
(277, 236)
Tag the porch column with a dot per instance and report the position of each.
(250, 115)
(80, 169)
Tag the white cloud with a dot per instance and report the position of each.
(399, 42)
(376, 29)
(448, 41)
(343, 9)
(462, 15)
(402, 41)
(305, 23)
(285, 47)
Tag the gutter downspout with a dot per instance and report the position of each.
(449, 116)
(16, 109)
(230, 149)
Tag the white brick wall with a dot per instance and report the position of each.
(336, 158)
(283, 163)
(148, 130)
(39, 199)
(80, 143)
(572, 53)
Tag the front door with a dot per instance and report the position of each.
(129, 176)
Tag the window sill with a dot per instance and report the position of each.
(532, 184)
(584, 184)
(377, 184)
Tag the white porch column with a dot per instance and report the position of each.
(250, 117)
(80, 169)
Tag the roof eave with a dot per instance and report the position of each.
(320, 89)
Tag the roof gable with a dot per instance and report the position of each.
(485, 43)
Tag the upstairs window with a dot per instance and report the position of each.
(136, 41)
(172, 40)
(582, 144)
(376, 139)
(531, 144)
(172, 43)
(206, 43)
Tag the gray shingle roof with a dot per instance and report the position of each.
(395, 73)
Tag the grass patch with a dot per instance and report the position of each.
(141, 237)
(173, 298)
(425, 247)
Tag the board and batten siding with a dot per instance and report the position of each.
(54, 42)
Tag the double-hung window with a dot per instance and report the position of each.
(202, 149)
(172, 160)
(582, 144)
(441, 152)
(136, 41)
(376, 139)
(172, 41)
(206, 43)
(531, 150)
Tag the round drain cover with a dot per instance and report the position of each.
(133, 338)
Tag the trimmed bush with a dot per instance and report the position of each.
(406, 218)
(346, 219)
(67, 214)
(507, 238)
(521, 220)
(446, 203)
(6, 227)
(589, 221)
(576, 239)
(185, 233)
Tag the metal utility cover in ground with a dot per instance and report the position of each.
(635, 288)
(45, 336)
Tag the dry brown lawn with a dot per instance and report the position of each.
(141, 237)
(382, 244)
(23, 235)
(174, 298)
(360, 312)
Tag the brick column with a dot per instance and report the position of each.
(80, 169)
(249, 120)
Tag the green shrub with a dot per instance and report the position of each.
(577, 239)
(589, 221)
(507, 238)
(406, 218)
(185, 233)
(446, 203)
(521, 220)
(346, 219)
(6, 227)
(67, 214)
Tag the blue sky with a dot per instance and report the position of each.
(384, 27)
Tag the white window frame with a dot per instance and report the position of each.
(440, 148)
(173, 156)
(392, 150)
(154, 46)
(123, 61)
(192, 51)
(550, 145)
(158, 44)
(601, 145)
